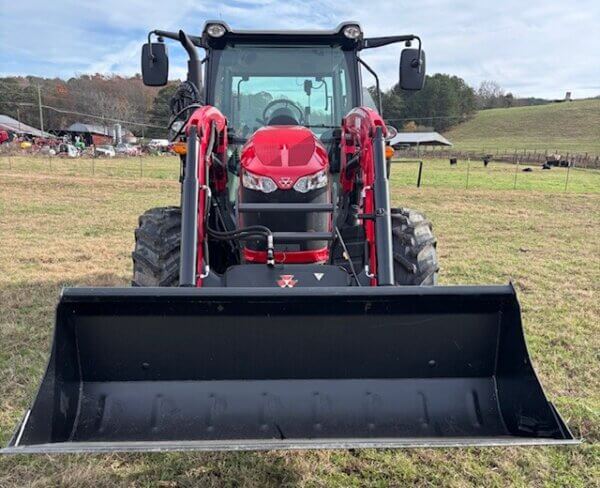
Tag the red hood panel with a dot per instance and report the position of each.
(284, 151)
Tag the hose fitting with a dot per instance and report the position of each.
(270, 251)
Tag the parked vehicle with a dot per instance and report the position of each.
(68, 150)
(127, 149)
(106, 151)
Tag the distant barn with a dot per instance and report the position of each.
(90, 133)
(13, 126)
(412, 139)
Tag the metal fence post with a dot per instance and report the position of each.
(516, 173)
(567, 178)
(141, 167)
(468, 171)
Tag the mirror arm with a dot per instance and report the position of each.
(417, 62)
(197, 41)
(150, 54)
(372, 42)
(370, 70)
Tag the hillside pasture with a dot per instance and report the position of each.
(568, 127)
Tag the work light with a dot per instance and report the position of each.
(352, 32)
(216, 30)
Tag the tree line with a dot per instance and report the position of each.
(104, 97)
(445, 101)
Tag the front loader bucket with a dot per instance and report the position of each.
(152, 369)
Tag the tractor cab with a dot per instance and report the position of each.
(277, 78)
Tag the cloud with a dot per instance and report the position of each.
(534, 48)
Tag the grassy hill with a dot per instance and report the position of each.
(566, 127)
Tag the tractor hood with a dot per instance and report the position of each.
(284, 153)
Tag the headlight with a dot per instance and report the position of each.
(216, 30)
(311, 182)
(256, 182)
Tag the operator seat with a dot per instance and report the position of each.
(282, 116)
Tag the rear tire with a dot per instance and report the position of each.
(157, 241)
(414, 245)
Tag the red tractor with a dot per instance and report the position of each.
(291, 165)
(284, 303)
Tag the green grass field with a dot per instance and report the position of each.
(566, 127)
(62, 226)
(436, 173)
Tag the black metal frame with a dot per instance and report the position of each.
(189, 213)
(483, 320)
(383, 219)
(287, 237)
(243, 207)
(333, 37)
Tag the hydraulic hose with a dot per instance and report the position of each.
(255, 230)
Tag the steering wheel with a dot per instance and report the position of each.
(285, 102)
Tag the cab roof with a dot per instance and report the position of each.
(333, 37)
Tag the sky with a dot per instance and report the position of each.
(530, 47)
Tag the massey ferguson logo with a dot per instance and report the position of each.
(285, 182)
(287, 281)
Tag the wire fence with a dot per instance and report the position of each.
(461, 173)
(471, 174)
(564, 158)
(163, 166)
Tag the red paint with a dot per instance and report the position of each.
(209, 173)
(358, 129)
(287, 281)
(292, 257)
(284, 153)
(100, 139)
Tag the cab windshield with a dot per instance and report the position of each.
(256, 85)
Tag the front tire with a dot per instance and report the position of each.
(157, 248)
(414, 247)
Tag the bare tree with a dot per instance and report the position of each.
(490, 95)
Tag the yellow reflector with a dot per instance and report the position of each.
(179, 148)
(389, 152)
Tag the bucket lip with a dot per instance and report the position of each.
(75, 294)
(285, 444)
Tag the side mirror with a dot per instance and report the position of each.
(155, 64)
(412, 70)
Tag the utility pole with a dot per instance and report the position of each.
(40, 107)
